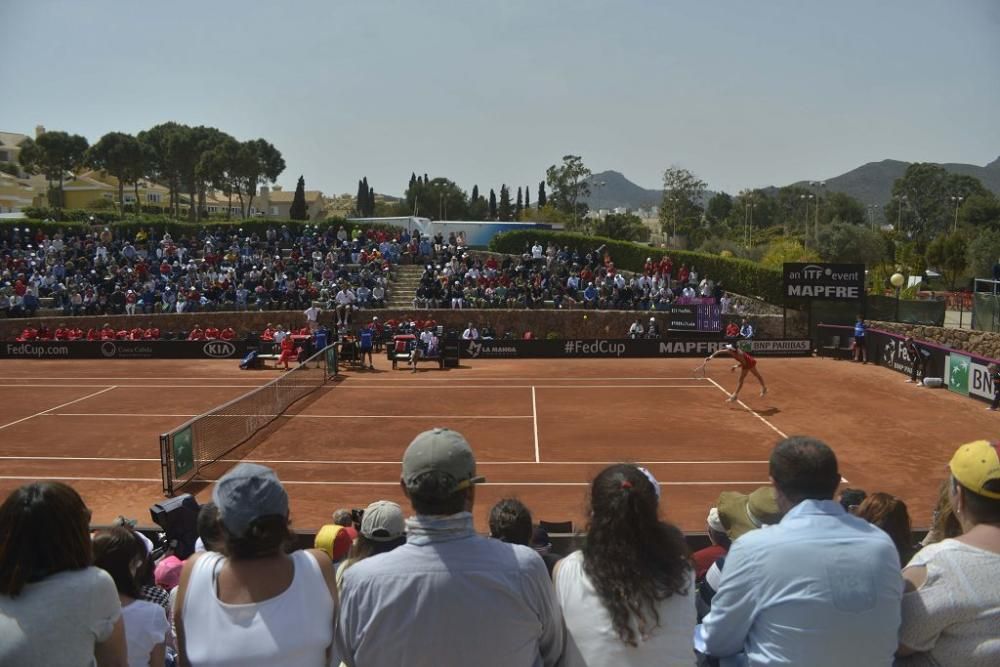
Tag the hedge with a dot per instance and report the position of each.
(179, 228)
(738, 275)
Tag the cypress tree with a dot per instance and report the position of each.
(371, 202)
(504, 209)
(527, 197)
(518, 205)
(493, 205)
(541, 194)
(475, 194)
(359, 204)
(298, 210)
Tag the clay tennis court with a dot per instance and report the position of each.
(541, 429)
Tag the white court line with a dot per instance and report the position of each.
(157, 386)
(82, 398)
(772, 426)
(352, 483)
(534, 416)
(369, 378)
(115, 414)
(540, 386)
(369, 462)
(344, 387)
(750, 410)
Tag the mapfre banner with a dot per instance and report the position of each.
(825, 282)
(619, 348)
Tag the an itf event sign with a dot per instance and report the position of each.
(827, 282)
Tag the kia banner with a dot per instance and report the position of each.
(125, 349)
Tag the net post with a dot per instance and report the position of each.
(165, 465)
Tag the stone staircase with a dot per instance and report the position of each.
(404, 286)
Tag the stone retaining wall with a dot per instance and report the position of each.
(984, 343)
(563, 323)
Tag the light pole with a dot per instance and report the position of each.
(958, 202)
(896, 280)
(819, 195)
(900, 200)
(805, 220)
(748, 221)
(673, 219)
(872, 208)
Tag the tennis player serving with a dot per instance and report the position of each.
(746, 364)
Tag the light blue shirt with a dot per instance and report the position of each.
(821, 588)
(449, 597)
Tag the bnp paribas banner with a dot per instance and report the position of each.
(958, 373)
(968, 376)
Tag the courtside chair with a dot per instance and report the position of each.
(557, 527)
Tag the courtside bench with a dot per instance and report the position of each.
(399, 351)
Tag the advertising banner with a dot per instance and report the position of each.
(619, 348)
(958, 373)
(827, 282)
(125, 349)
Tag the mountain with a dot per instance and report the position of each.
(610, 189)
(872, 183)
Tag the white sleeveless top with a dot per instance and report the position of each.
(292, 629)
(591, 640)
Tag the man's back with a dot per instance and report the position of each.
(454, 599)
(820, 588)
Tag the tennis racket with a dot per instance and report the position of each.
(699, 372)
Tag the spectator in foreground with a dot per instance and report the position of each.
(851, 499)
(120, 553)
(383, 528)
(448, 596)
(628, 596)
(209, 529)
(793, 594)
(890, 514)
(255, 604)
(510, 521)
(345, 517)
(944, 523)
(704, 558)
(46, 575)
(951, 609)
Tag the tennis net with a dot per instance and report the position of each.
(204, 440)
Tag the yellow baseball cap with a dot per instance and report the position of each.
(975, 464)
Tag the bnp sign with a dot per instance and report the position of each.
(826, 282)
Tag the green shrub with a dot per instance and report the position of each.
(738, 275)
(78, 219)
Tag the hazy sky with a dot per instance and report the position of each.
(743, 93)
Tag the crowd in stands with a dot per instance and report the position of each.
(65, 332)
(106, 271)
(555, 277)
(796, 574)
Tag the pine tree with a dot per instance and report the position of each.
(299, 211)
(371, 202)
(504, 210)
(541, 194)
(518, 205)
(493, 205)
(527, 197)
(413, 181)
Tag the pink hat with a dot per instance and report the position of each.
(168, 572)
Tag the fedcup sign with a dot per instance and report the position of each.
(824, 282)
(598, 347)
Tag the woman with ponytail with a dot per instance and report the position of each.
(628, 596)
